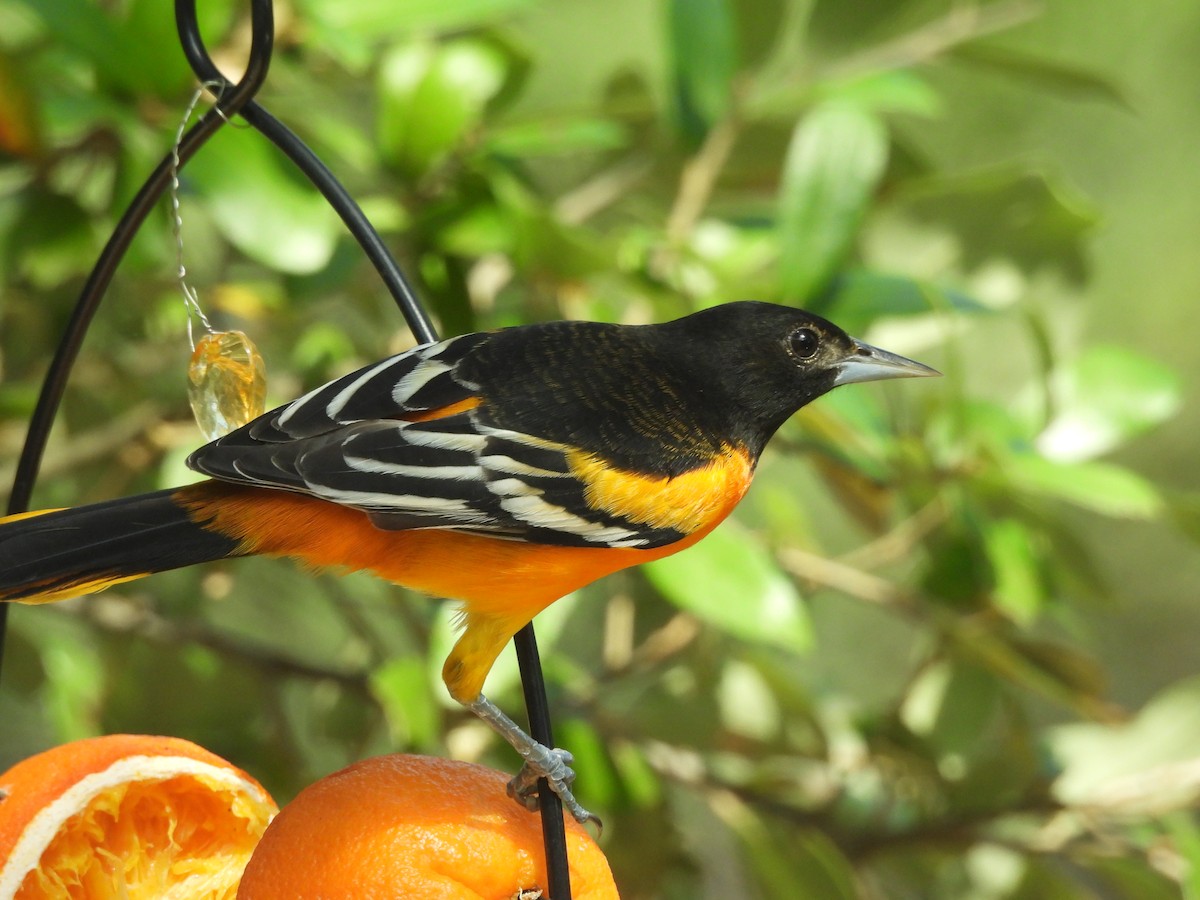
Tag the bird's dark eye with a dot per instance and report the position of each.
(804, 343)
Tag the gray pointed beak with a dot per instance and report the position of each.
(867, 363)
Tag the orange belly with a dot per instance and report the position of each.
(490, 576)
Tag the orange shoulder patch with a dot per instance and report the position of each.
(442, 411)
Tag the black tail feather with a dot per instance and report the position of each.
(58, 554)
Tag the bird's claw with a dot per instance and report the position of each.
(541, 761)
(550, 763)
(553, 764)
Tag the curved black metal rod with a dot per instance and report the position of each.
(316, 172)
(232, 100)
(262, 20)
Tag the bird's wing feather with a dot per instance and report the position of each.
(409, 442)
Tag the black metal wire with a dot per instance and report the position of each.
(238, 98)
(55, 383)
(554, 832)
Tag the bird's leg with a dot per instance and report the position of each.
(484, 636)
(551, 763)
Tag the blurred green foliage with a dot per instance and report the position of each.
(878, 680)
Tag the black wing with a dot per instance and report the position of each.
(410, 442)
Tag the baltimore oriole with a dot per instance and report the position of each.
(503, 469)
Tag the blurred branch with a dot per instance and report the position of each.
(965, 22)
(1154, 792)
(978, 638)
(699, 175)
(666, 642)
(1033, 823)
(351, 612)
(659, 646)
(815, 569)
(121, 616)
(687, 767)
(899, 543)
(578, 205)
(88, 446)
(953, 832)
(986, 638)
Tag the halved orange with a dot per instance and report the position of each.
(419, 827)
(128, 816)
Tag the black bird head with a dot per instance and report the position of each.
(769, 360)
(667, 397)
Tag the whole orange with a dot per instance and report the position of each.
(414, 826)
(127, 816)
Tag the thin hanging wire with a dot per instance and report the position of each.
(191, 300)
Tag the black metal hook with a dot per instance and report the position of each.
(55, 383)
(238, 99)
(316, 172)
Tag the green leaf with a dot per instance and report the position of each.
(75, 679)
(639, 780)
(135, 51)
(833, 165)
(707, 843)
(431, 96)
(20, 25)
(478, 231)
(1063, 78)
(857, 297)
(1106, 397)
(957, 574)
(852, 425)
(1101, 487)
(1185, 839)
(1016, 568)
(982, 428)
(1006, 212)
(600, 788)
(1150, 762)
(807, 864)
(95, 35)
(1131, 876)
(320, 346)
(886, 91)
(150, 30)
(401, 688)
(703, 43)
(557, 137)
(261, 205)
(1184, 509)
(386, 18)
(748, 707)
(729, 580)
(890, 91)
(951, 705)
(52, 239)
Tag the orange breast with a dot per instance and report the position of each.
(695, 500)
